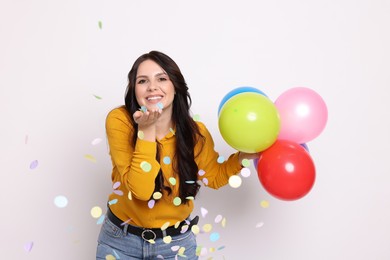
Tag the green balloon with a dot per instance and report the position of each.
(249, 122)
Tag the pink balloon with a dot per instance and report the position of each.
(303, 114)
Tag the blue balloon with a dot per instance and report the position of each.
(304, 145)
(238, 91)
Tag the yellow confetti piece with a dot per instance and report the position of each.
(129, 196)
(110, 257)
(223, 222)
(212, 249)
(152, 241)
(157, 195)
(264, 204)
(167, 239)
(207, 227)
(165, 226)
(90, 158)
(96, 212)
(141, 135)
(181, 251)
(235, 181)
(177, 224)
(195, 229)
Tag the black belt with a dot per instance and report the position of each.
(151, 233)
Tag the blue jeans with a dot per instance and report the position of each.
(113, 241)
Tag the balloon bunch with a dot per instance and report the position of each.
(250, 122)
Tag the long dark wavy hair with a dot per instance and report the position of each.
(187, 132)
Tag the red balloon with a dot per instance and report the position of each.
(286, 170)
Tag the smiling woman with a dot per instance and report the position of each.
(158, 153)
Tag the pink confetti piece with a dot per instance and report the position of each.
(201, 172)
(218, 219)
(259, 225)
(28, 246)
(205, 181)
(116, 185)
(34, 164)
(203, 212)
(96, 141)
(175, 248)
(118, 192)
(151, 203)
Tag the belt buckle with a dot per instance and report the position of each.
(148, 231)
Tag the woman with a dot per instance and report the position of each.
(159, 154)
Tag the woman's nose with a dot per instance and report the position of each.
(152, 86)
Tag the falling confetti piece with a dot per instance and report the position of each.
(190, 182)
(61, 201)
(151, 203)
(245, 162)
(212, 249)
(96, 212)
(205, 181)
(184, 229)
(110, 257)
(97, 97)
(167, 160)
(201, 172)
(116, 185)
(264, 204)
(204, 212)
(157, 195)
(129, 196)
(112, 202)
(100, 24)
(165, 226)
(172, 181)
(145, 166)
(207, 228)
(160, 257)
(220, 248)
(195, 229)
(160, 105)
(90, 158)
(141, 135)
(143, 109)
(34, 164)
(235, 181)
(116, 254)
(196, 117)
(223, 223)
(96, 141)
(214, 237)
(100, 220)
(259, 225)
(190, 198)
(181, 251)
(152, 241)
(218, 219)
(175, 248)
(172, 131)
(28, 246)
(118, 192)
(221, 159)
(245, 172)
(177, 201)
(167, 239)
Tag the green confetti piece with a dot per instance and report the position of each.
(177, 201)
(100, 24)
(97, 97)
(245, 162)
(172, 181)
(145, 166)
(141, 135)
(196, 117)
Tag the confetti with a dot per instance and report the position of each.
(214, 236)
(165, 226)
(235, 181)
(96, 212)
(245, 172)
(145, 166)
(184, 229)
(175, 248)
(151, 203)
(259, 225)
(190, 198)
(172, 181)
(245, 162)
(172, 131)
(264, 204)
(90, 158)
(116, 254)
(100, 24)
(28, 246)
(118, 192)
(110, 257)
(160, 257)
(223, 223)
(205, 181)
(218, 218)
(116, 185)
(160, 105)
(167, 239)
(34, 164)
(190, 182)
(100, 220)
(97, 97)
(195, 229)
(96, 141)
(129, 196)
(61, 201)
(201, 172)
(143, 109)
(114, 201)
(204, 212)
(196, 117)
(167, 160)
(157, 195)
(221, 159)
(207, 228)
(141, 135)
(221, 247)
(176, 201)
(181, 251)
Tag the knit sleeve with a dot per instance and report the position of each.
(212, 173)
(137, 165)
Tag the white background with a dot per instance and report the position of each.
(54, 58)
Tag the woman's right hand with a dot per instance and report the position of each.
(146, 121)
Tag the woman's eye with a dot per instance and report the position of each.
(141, 81)
(162, 79)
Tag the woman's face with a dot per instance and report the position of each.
(153, 88)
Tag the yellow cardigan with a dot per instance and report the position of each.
(135, 169)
